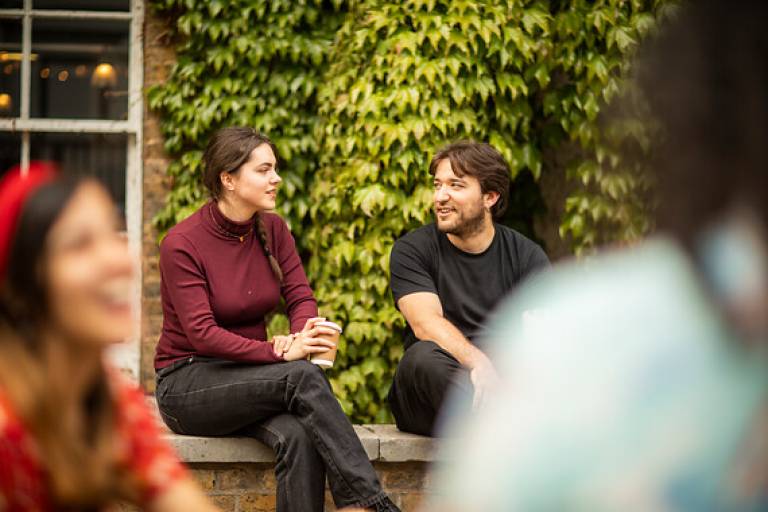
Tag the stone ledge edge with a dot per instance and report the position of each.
(382, 443)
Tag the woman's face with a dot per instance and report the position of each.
(88, 271)
(255, 183)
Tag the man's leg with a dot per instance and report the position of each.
(423, 378)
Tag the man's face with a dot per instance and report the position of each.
(460, 205)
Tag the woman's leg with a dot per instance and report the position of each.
(299, 469)
(221, 397)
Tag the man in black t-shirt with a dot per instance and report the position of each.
(448, 276)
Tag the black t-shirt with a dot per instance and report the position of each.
(469, 285)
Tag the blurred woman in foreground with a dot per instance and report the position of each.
(73, 434)
(641, 382)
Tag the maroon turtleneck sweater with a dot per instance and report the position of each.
(216, 290)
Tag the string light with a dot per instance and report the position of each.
(6, 102)
(45, 73)
(104, 75)
(9, 56)
(63, 75)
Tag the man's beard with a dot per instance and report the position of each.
(465, 227)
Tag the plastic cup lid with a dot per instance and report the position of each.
(332, 325)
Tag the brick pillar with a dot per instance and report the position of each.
(159, 56)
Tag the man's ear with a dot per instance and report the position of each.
(490, 198)
(227, 182)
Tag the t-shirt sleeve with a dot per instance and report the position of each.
(409, 270)
(535, 260)
(149, 458)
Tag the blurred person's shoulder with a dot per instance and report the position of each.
(612, 360)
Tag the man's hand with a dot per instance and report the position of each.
(484, 379)
(424, 314)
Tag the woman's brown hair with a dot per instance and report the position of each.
(227, 151)
(81, 464)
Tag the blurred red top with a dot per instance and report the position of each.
(23, 483)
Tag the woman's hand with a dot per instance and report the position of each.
(308, 341)
(281, 344)
(312, 330)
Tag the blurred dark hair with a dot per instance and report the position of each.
(23, 295)
(81, 466)
(227, 151)
(481, 161)
(705, 78)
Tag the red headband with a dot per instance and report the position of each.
(15, 188)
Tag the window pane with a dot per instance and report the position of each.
(85, 154)
(11, 4)
(10, 151)
(79, 69)
(10, 67)
(91, 5)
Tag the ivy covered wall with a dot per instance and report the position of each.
(358, 95)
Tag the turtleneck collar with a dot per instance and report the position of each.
(222, 223)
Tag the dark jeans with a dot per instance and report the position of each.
(425, 375)
(288, 406)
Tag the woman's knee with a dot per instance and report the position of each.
(304, 371)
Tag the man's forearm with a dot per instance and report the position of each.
(445, 334)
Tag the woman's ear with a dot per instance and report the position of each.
(227, 183)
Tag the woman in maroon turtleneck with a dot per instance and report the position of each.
(223, 270)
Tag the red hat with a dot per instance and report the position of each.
(15, 188)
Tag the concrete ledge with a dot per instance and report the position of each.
(381, 442)
(397, 446)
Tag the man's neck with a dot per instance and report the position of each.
(234, 211)
(477, 241)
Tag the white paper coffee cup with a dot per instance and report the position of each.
(327, 358)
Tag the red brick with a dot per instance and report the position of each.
(205, 477)
(411, 501)
(404, 476)
(258, 503)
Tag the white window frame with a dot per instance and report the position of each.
(127, 355)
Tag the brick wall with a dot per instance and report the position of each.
(158, 59)
(252, 487)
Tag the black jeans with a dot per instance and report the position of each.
(288, 406)
(425, 375)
